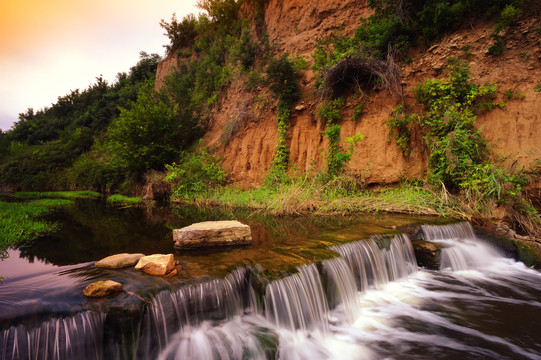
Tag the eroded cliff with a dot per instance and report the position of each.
(295, 27)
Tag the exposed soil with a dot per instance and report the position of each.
(295, 26)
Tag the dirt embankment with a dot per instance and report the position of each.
(295, 26)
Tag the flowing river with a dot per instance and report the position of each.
(349, 293)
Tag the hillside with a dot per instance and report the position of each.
(295, 27)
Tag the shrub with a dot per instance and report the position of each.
(195, 173)
(246, 50)
(180, 33)
(282, 79)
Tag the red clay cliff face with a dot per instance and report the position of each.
(295, 26)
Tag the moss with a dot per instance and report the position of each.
(529, 253)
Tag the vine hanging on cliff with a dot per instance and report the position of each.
(282, 81)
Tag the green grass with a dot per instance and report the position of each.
(338, 196)
(20, 222)
(57, 194)
(124, 200)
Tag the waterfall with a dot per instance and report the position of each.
(171, 311)
(297, 301)
(220, 318)
(463, 250)
(75, 337)
(341, 287)
(374, 267)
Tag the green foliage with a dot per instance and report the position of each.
(337, 157)
(148, 134)
(395, 25)
(382, 30)
(278, 170)
(508, 17)
(455, 144)
(358, 112)
(42, 146)
(330, 111)
(124, 200)
(458, 154)
(97, 169)
(435, 18)
(246, 50)
(180, 33)
(282, 79)
(224, 12)
(85, 194)
(537, 87)
(21, 223)
(400, 123)
(510, 94)
(195, 174)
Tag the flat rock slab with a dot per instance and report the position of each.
(119, 261)
(212, 234)
(102, 288)
(157, 264)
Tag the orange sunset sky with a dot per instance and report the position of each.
(50, 47)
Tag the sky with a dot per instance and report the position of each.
(50, 47)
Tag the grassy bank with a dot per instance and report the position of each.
(57, 194)
(21, 222)
(339, 196)
(124, 200)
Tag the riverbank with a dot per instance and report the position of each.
(23, 222)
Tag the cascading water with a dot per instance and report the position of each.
(463, 250)
(75, 337)
(348, 307)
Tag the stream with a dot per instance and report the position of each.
(308, 288)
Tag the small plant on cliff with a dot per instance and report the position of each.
(337, 157)
(508, 17)
(400, 123)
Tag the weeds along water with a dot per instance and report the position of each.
(338, 196)
(21, 222)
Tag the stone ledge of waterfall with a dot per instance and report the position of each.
(428, 254)
(157, 264)
(118, 261)
(102, 288)
(212, 234)
(413, 231)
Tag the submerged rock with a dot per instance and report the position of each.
(102, 288)
(119, 261)
(157, 264)
(212, 234)
(428, 254)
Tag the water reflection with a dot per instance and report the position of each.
(49, 274)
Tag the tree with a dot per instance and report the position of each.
(148, 135)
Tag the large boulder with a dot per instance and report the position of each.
(157, 264)
(102, 288)
(212, 234)
(119, 261)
